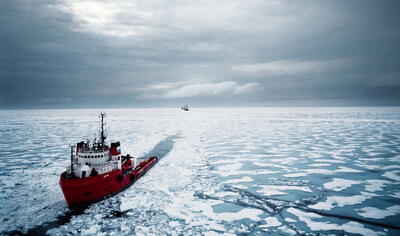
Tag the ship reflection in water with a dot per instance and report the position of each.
(254, 171)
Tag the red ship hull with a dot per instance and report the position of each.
(84, 191)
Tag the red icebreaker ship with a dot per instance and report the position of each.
(98, 171)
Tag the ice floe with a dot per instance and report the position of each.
(283, 187)
(320, 165)
(294, 175)
(339, 201)
(357, 228)
(287, 230)
(375, 185)
(338, 184)
(270, 192)
(231, 167)
(318, 171)
(392, 175)
(224, 194)
(376, 213)
(214, 233)
(307, 217)
(246, 213)
(329, 160)
(270, 222)
(350, 227)
(290, 220)
(388, 167)
(244, 172)
(244, 179)
(347, 170)
(396, 195)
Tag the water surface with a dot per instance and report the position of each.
(283, 171)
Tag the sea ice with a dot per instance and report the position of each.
(329, 160)
(357, 228)
(396, 195)
(339, 184)
(290, 220)
(307, 218)
(246, 213)
(244, 179)
(376, 213)
(319, 171)
(347, 170)
(320, 164)
(375, 185)
(253, 147)
(391, 167)
(272, 222)
(268, 192)
(392, 175)
(244, 172)
(213, 233)
(294, 175)
(276, 188)
(287, 231)
(340, 201)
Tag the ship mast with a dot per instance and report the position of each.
(72, 159)
(103, 137)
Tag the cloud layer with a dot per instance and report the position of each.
(211, 89)
(136, 53)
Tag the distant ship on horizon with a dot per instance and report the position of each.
(185, 108)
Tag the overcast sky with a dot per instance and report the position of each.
(119, 53)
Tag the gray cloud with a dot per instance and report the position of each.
(134, 53)
(207, 89)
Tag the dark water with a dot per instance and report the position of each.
(283, 171)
